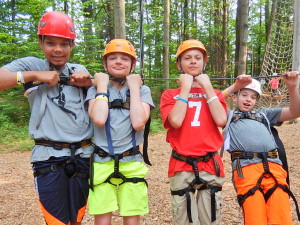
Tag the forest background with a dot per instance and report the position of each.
(234, 33)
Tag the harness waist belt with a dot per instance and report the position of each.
(250, 155)
(99, 151)
(60, 145)
(204, 158)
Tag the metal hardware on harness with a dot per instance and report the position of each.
(198, 180)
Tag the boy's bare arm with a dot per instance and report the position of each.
(139, 111)
(98, 108)
(293, 111)
(216, 109)
(240, 82)
(9, 79)
(177, 114)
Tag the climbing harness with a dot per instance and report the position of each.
(64, 80)
(70, 166)
(259, 116)
(198, 181)
(116, 174)
(119, 104)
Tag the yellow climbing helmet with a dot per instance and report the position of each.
(120, 45)
(192, 44)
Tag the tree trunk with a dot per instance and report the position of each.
(224, 59)
(217, 39)
(119, 11)
(13, 18)
(241, 37)
(166, 39)
(88, 30)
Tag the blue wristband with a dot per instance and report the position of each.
(183, 100)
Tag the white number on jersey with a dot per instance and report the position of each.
(196, 121)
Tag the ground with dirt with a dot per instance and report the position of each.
(19, 205)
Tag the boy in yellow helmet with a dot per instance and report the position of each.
(192, 115)
(119, 105)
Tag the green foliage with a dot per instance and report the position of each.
(14, 117)
(94, 27)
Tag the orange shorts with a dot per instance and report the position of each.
(277, 209)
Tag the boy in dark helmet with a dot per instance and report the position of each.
(59, 122)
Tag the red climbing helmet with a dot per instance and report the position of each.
(57, 24)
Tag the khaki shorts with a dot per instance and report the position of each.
(277, 209)
(200, 202)
(130, 198)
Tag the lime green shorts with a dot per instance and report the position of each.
(130, 198)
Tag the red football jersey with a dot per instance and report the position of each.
(198, 134)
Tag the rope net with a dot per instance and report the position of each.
(278, 55)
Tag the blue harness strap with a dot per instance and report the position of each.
(108, 133)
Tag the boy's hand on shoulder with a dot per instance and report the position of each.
(81, 79)
(185, 81)
(49, 77)
(134, 80)
(101, 79)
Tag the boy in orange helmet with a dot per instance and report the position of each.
(59, 123)
(193, 114)
(119, 108)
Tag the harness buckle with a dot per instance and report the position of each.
(54, 168)
(116, 176)
(117, 103)
(58, 146)
(248, 155)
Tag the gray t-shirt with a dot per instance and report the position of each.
(57, 113)
(120, 124)
(253, 136)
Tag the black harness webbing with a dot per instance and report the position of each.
(198, 180)
(70, 166)
(266, 174)
(116, 174)
(237, 155)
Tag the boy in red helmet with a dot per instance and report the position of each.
(119, 105)
(193, 114)
(59, 122)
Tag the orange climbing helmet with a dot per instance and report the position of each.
(191, 44)
(120, 45)
(57, 24)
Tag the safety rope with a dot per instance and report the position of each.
(217, 78)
